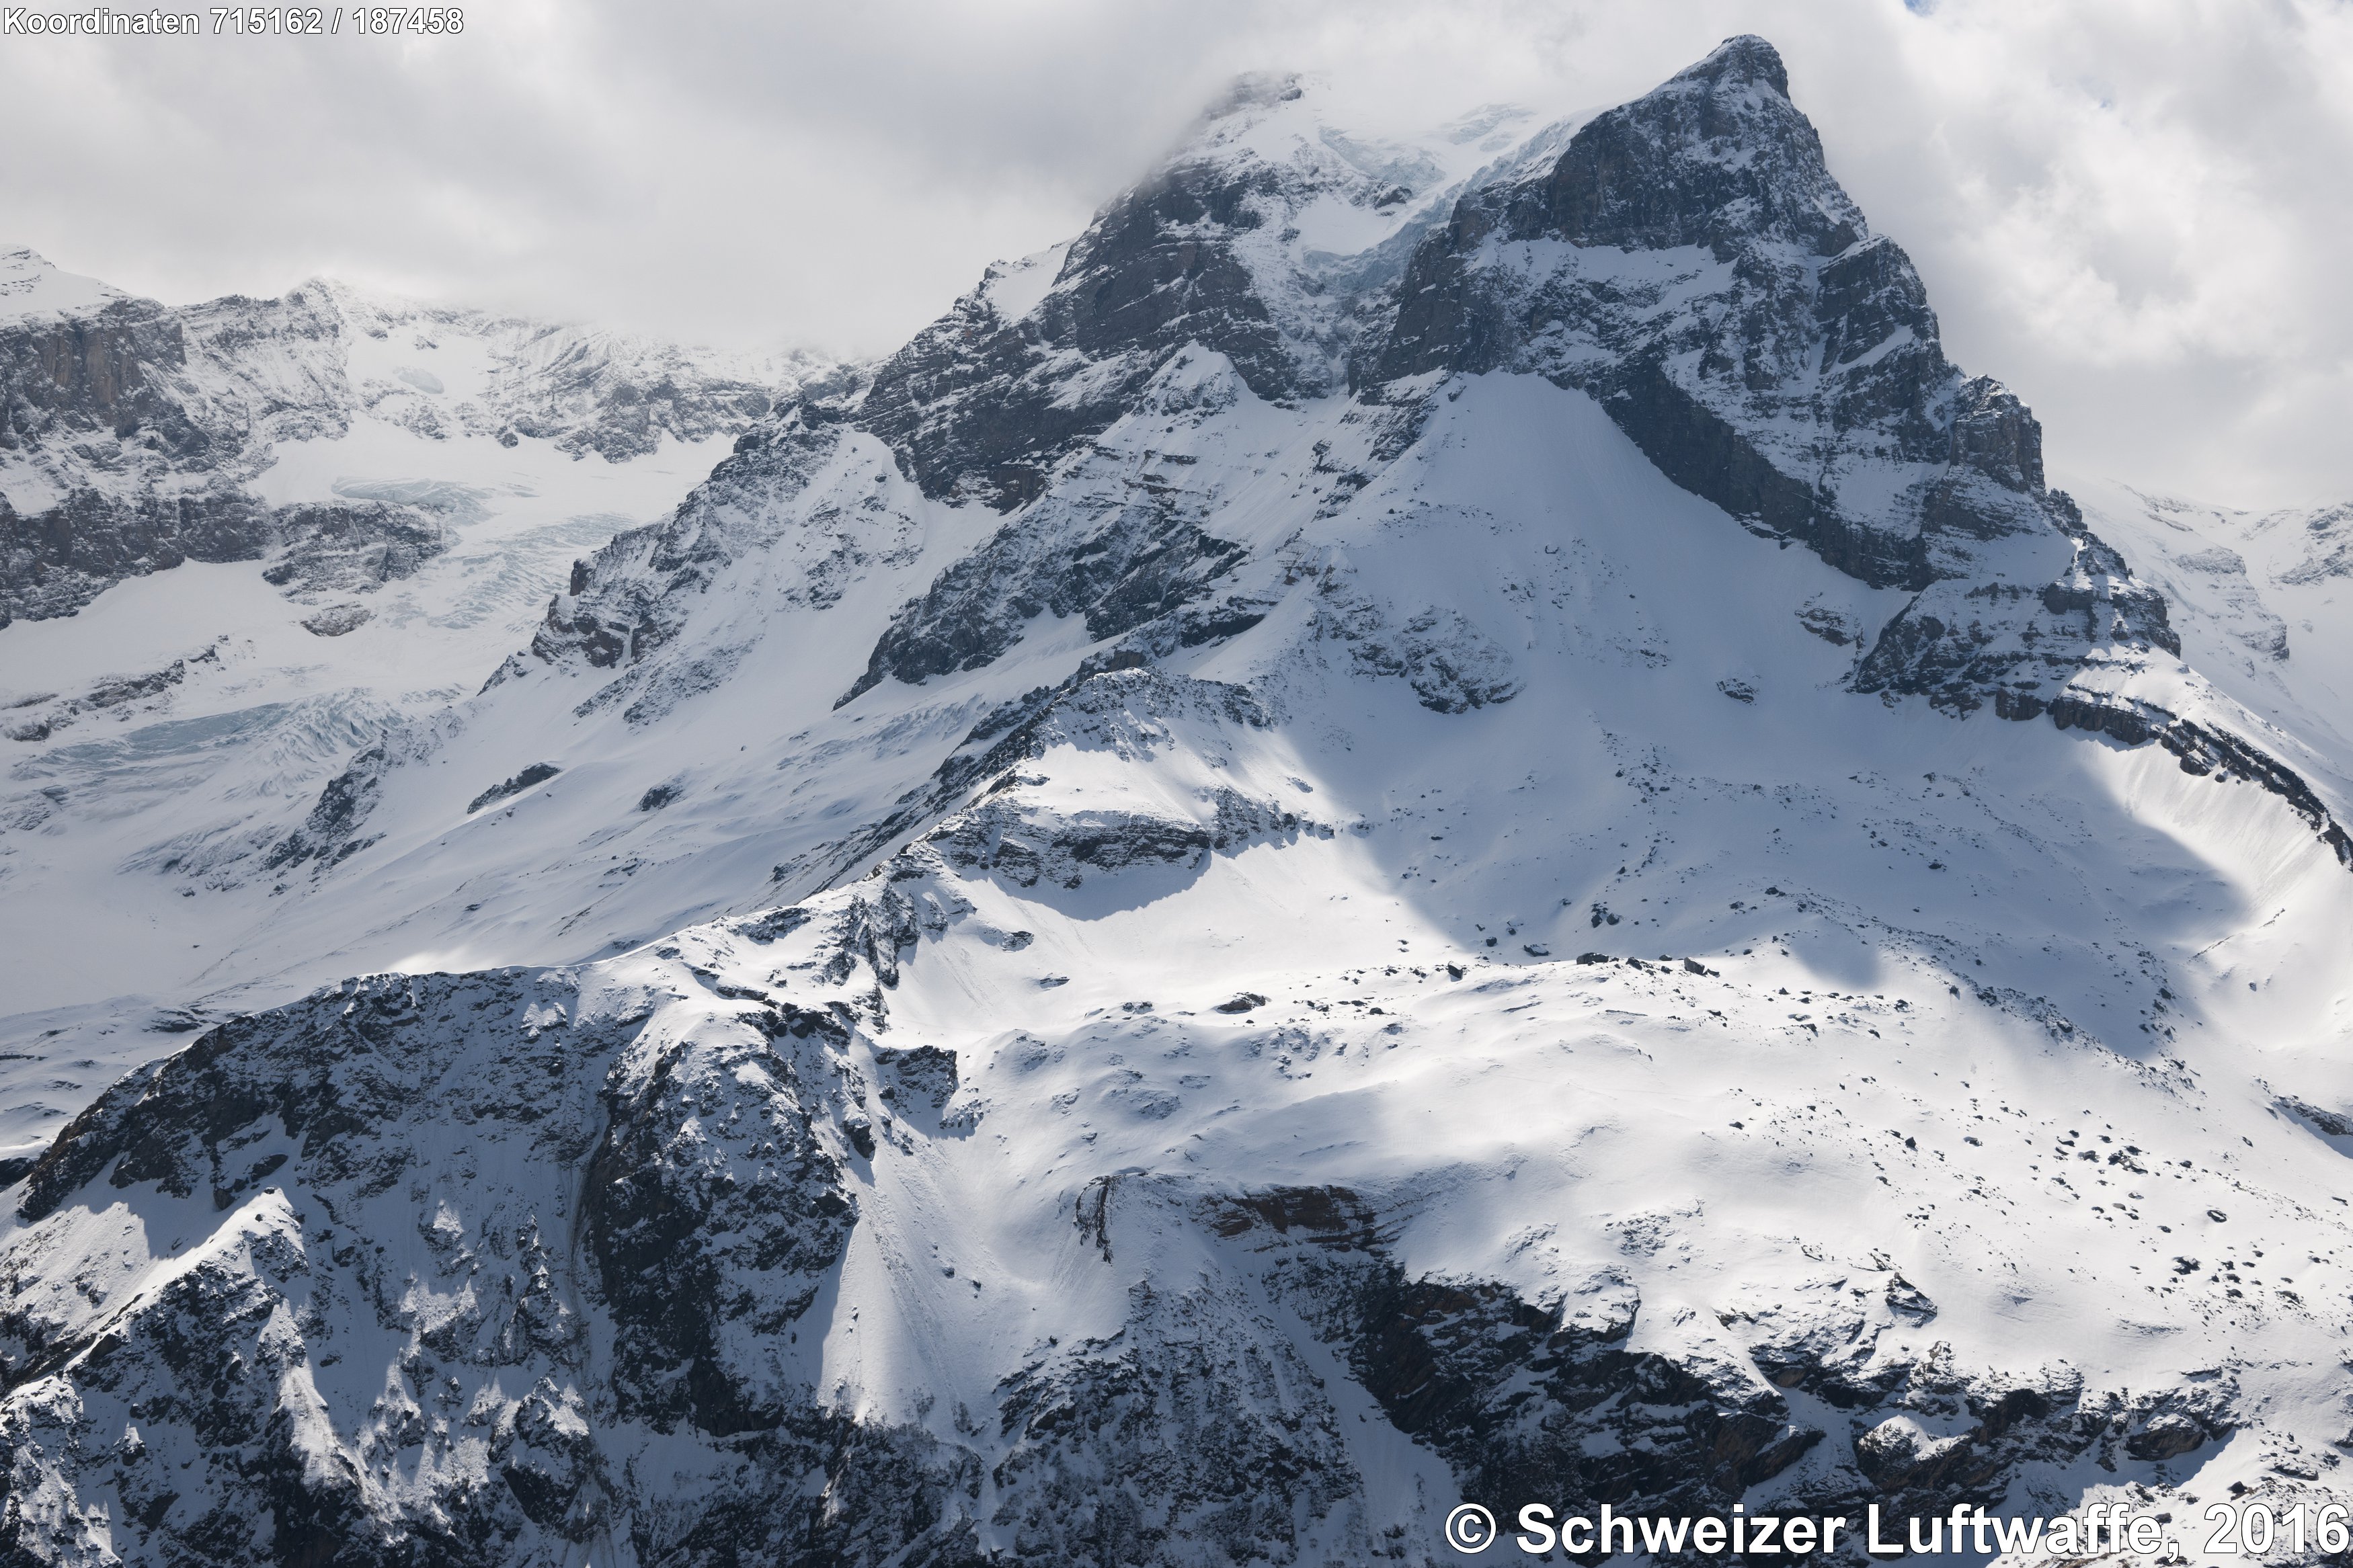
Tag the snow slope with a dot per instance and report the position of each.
(30, 288)
(184, 706)
(1139, 944)
(2258, 595)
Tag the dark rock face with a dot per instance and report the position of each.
(337, 620)
(105, 407)
(1142, 561)
(690, 1238)
(59, 560)
(1121, 548)
(971, 404)
(1160, 1445)
(331, 834)
(1526, 1400)
(1963, 644)
(1817, 358)
(97, 373)
(537, 773)
(633, 596)
(1001, 838)
(1629, 180)
(1027, 843)
(1184, 295)
(1994, 435)
(984, 406)
(995, 407)
(1522, 1400)
(254, 1110)
(1451, 666)
(351, 545)
(323, 1069)
(1159, 267)
(918, 1074)
(616, 1230)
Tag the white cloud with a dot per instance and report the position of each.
(2135, 211)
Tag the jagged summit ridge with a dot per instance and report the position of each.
(1691, 260)
(1266, 238)
(1686, 259)
(1742, 59)
(1716, 154)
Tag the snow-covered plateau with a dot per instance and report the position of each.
(1424, 822)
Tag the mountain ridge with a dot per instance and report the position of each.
(134, 433)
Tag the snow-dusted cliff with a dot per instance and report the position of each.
(1346, 847)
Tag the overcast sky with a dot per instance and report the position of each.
(2139, 213)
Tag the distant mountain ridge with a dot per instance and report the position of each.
(132, 433)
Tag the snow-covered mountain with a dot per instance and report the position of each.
(242, 538)
(1420, 823)
(134, 436)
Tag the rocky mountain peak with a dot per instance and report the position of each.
(1717, 155)
(1742, 61)
(1269, 235)
(1691, 261)
(1687, 259)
